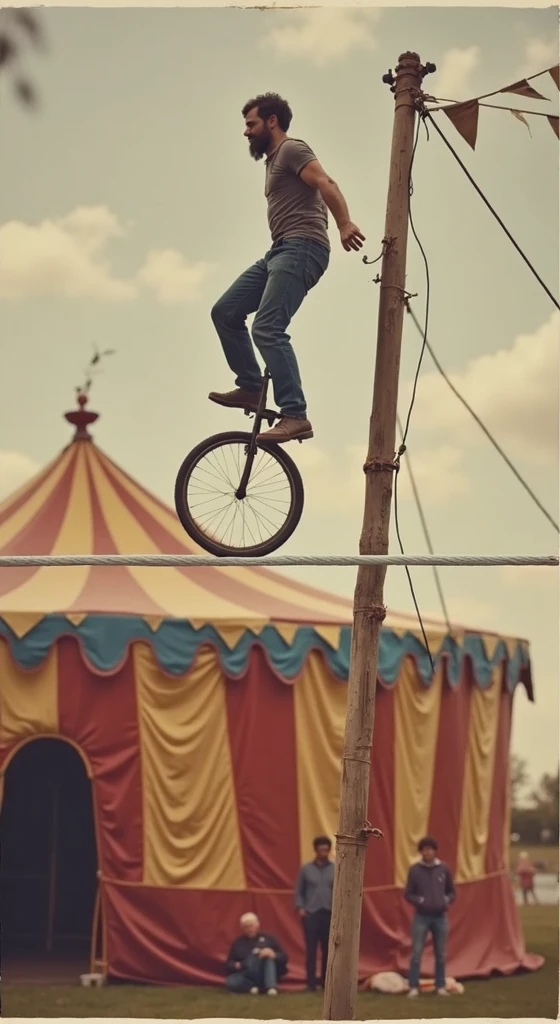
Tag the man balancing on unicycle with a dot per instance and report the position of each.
(298, 192)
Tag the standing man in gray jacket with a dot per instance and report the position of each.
(430, 890)
(313, 898)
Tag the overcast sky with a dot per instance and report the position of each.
(129, 203)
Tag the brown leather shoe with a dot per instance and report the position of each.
(288, 430)
(239, 398)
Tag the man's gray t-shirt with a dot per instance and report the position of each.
(295, 210)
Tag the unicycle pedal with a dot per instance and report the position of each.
(269, 415)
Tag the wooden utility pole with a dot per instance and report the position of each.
(369, 612)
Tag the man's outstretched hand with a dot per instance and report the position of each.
(351, 237)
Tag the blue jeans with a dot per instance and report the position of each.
(256, 973)
(274, 288)
(421, 925)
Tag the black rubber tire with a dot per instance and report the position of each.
(224, 550)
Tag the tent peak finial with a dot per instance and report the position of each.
(80, 418)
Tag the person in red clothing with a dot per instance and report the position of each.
(525, 872)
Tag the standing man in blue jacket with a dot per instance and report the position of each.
(430, 890)
(313, 899)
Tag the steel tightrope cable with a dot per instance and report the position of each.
(195, 561)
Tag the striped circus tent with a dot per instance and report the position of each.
(207, 706)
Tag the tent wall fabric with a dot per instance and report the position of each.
(208, 791)
(208, 705)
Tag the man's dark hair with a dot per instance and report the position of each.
(322, 841)
(427, 843)
(270, 103)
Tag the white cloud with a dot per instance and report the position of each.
(15, 470)
(323, 35)
(538, 55)
(531, 576)
(514, 392)
(68, 257)
(473, 612)
(453, 78)
(320, 470)
(171, 277)
(64, 257)
(437, 472)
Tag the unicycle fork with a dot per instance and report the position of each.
(262, 413)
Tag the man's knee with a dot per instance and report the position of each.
(418, 944)
(235, 982)
(218, 312)
(224, 314)
(264, 334)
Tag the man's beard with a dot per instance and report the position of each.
(259, 144)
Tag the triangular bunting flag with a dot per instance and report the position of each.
(523, 88)
(555, 74)
(553, 122)
(21, 623)
(464, 116)
(490, 641)
(330, 634)
(154, 621)
(76, 618)
(231, 634)
(520, 117)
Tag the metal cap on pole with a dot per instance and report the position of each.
(354, 829)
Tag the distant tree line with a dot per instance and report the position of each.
(535, 820)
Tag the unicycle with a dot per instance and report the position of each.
(235, 495)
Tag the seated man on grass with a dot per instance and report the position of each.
(256, 960)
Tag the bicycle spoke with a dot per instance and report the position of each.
(228, 478)
(219, 469)
(221, 479)
(267, 503)
(206, 502)
(265, 465)
(233, 524)
(222, 519)
(216, 512)
(265, 518)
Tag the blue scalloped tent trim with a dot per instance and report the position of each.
(105, 640)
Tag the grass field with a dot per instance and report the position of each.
(525, 995)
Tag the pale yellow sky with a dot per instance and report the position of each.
(129, 204)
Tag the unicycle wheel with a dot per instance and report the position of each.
(221, 523)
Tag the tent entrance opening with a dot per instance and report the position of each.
(48, 876)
